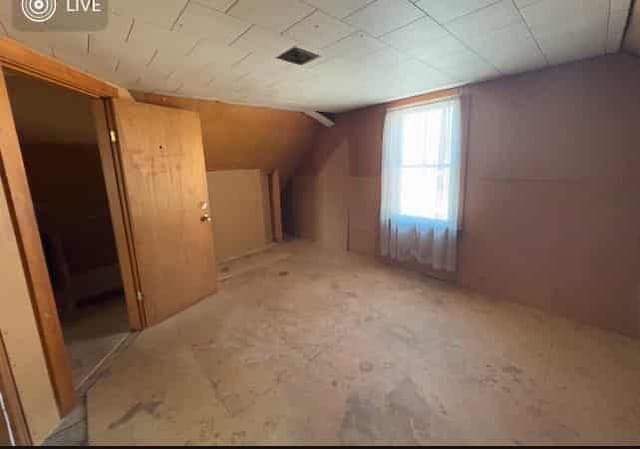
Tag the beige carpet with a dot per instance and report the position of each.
(94, 332)
(322, 347)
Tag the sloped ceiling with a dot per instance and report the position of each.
(371, 51)
(244, 137)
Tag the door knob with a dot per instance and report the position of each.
(206, 218)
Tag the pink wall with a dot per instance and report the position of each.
(552, 203)
(552, 214)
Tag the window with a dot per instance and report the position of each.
(420, 183)
(425, 169)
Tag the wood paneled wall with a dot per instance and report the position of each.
(241, 216)
(245, 137)
(552, 209)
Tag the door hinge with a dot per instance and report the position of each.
(114, 138)
(140, 297)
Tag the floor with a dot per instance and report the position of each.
(322, 347)
(95, 330)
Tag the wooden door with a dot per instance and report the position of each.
(164, 176)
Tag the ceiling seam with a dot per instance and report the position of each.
(237, 38)
(460, 40)
(230, 7)
(175, 22)
(153, 58)
(131, 25)
(299, 21)
(340, 19)
(467, 13)
(357, 10)
(544, 55)
(405, 25)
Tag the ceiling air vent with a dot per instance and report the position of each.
(297, 56)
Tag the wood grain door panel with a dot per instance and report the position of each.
(165, 182)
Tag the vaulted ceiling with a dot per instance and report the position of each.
(371, 51)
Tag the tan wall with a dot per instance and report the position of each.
(320, 200)
(20, 333)
(246, 137)
(552, 212)
(239, 212)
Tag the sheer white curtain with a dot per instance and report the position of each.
(420, 184)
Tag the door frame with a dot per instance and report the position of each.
(11, 401)
(14, 181)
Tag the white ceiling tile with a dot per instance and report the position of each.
(220, 5)
(489, 19)
(190, 91)
(44, 42)
(453, 59)
(210, 52)
(510, 49)
(5, 9)
(357, 45)
(436, 49)
(332, 70)
(207, 23)
(620, 5)
(472, 71)
(167, 63)
(614, 41)
(523, 3)
(553, 13)
(415, 34)
(267, 66)
(573, 50)
(131, 55)
(161, 13)
(277, 15)
(151, 81)
(102, 68)
(384, 16)
(28, 39)
(75, 59)
(618, 21)
(195, 76)
(172, 42)
(615, 34)
(127, 74)
(446, 11)
(414, 55)
(339, 8)
(578, 29)
(319, 30)
(263, 41)
(118, 28)
(575, 41)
